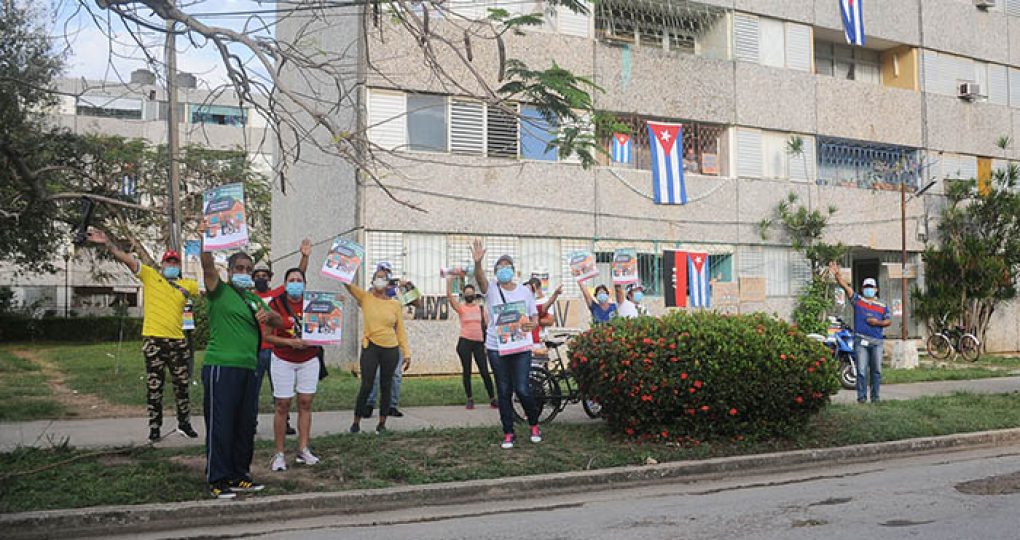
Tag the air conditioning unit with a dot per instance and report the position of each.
(969, 91)
(984, 4)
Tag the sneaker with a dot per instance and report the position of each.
(279, 462)
(355, 428)
(493, 404)
(221, 491)
(536, 434)
(470, 404)
(306, 456)
(508, 441)
(187, 431)
(395, 412)
(154, 434)
(290, 429)
(244, 486)
(380, 429)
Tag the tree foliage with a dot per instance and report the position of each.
(973, 267)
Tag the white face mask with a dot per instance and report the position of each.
(379, 283)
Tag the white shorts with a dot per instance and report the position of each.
(289, 375)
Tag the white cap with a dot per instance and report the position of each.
(870, 282)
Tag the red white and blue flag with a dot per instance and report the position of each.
(622, 146)
(697, 272)
(853, 21)
(667, 163)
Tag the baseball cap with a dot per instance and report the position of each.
(262, 267)
(170, 255)
(504, 257)
(384, 265)
(635, 287)
(870, 282)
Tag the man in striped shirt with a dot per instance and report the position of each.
(871, 316)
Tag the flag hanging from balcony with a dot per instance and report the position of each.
(667, 163)
(697, 272)
(853, 21)
(622, 146)
(674, 278)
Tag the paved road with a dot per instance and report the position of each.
(126, 431)
(913, 497)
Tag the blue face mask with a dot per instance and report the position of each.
(242, 281)
(602, 297)
(870, 292)
(172, 272)
(505, 274)
(638, 296)
(295, 289)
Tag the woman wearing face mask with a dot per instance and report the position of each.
(630, 304)
(472, 340)
(601, 308)
(385, 338)
(511, 370)
(295, 368)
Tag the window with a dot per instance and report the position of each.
(426, 123)
(387, 120)
(109, 107)
(467, 127)
(502, 130)
(720, 266)
(771, 42)
(536, 134)
(775, 163)
(844, 62)
(425, 254)
(221, 115)
(670, 26)
(702, 146)
(384, 247)
(866, 165)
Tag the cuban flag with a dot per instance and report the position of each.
(622, 146)
(853, 21)
(667, 163)
(128, 186)
(697, 272)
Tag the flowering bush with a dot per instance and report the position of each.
(688, 377)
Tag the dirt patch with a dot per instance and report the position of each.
(77, 404)
(1006, 484)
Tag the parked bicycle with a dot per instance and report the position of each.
(948, 340)
(549, 377)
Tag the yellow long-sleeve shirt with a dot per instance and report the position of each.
(384, 320)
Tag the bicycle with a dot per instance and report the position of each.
(546, 386)
(957, 339)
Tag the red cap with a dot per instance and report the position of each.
(170, 255)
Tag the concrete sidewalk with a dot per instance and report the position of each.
(128, 431)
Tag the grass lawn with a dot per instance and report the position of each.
(430, 456)
(24, 394)
(930, 373)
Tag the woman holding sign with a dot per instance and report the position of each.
(512, 316)
(602, 310)
(383, 323)
(294, 368)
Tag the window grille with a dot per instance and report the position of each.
(702, 145)
(865, 165)
(663, 24)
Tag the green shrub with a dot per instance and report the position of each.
(77, 329)
(689, 377)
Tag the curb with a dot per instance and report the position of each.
(112, 520)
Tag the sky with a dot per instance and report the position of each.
(92, 54)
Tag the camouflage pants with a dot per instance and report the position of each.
(173, 355)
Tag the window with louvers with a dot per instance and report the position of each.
(502, 130)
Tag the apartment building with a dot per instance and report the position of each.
(133, 109)
(934, 87)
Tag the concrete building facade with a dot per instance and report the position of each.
(744, 77)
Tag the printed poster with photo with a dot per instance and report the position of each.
(511, 338)
(322, 323)
(543, 278)
(625, 269)
(343, 260)
(582, 265)
(226, 224)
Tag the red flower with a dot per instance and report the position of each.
(697, 384)
(672, 346)
(810, 370)
(704, 408)
(647, 341)
(691, 390)
(689, 411)
(799, 400)
(665, 434)
(733, 412)
(683, 376)
(629, 431)
(674, 359)
(646, 397)
(782, 357)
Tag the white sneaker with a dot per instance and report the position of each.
(536, 434)
(306, 456)
(508, 441)
(279, 463)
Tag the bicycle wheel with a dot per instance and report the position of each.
(546, 393)
(969, 347)
(591, 407)
(939, 347)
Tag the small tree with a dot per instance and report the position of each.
(973, 267)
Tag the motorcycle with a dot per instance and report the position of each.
(840, 340)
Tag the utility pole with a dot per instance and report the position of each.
(173, 140)
(903, 258)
